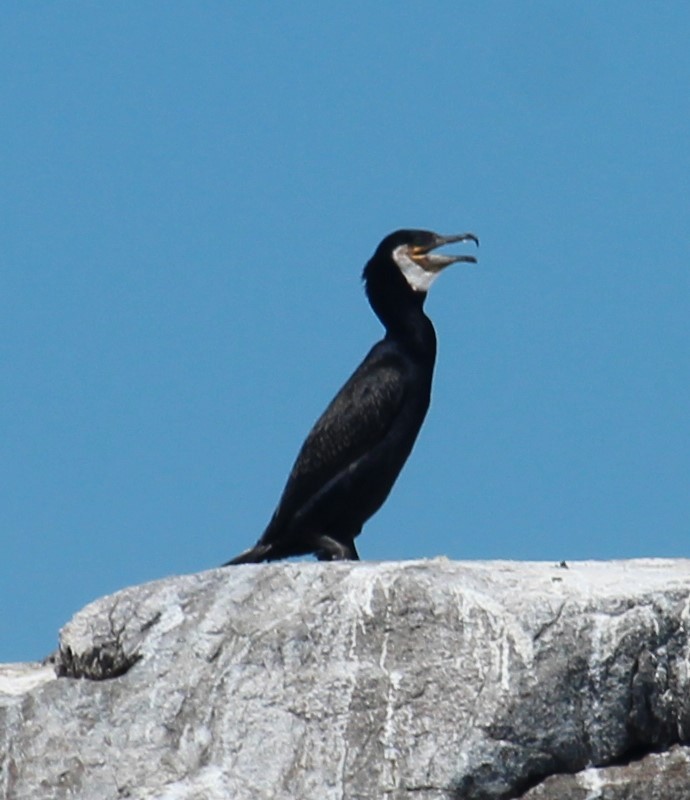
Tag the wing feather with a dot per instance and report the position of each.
(356, 420)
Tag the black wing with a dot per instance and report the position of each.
(357, 419)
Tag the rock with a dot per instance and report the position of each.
(425, 679)
(662, 776)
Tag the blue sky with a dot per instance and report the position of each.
(189, 193)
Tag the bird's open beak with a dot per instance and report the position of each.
(434, 262)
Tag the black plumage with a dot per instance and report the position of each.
(355, 451)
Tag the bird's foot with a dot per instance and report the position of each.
(330, 549)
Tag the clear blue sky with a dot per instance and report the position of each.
(189, 193)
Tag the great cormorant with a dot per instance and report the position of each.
(355, 451)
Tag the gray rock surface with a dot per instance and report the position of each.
(426, 679)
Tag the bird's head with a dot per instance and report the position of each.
(412, 252)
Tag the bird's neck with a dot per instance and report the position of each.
(406, 323)
(401, 311)
(415, 332)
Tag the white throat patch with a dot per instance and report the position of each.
(419, 279)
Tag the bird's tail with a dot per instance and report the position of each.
(255, 555)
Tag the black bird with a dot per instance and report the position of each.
(355, 451)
